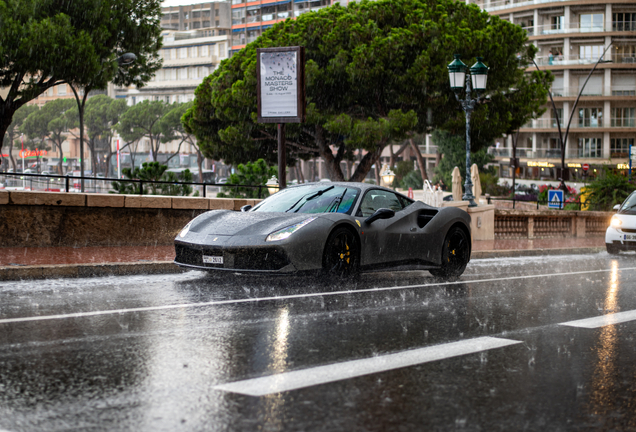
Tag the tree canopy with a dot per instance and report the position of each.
(44, 43)
(375, 72)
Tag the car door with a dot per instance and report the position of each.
(386, 241)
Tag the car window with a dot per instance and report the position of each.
(629, 206)
(319, 198)
(376, 199)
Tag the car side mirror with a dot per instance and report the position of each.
(246, 208)
(383, 213)
(616, 207)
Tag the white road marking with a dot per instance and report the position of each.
(351, 369)
(603, 320)
(289, 297)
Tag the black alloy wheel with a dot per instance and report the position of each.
(342, 254)
(611, 249)
(455, 255)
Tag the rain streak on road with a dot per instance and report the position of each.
(541, 343)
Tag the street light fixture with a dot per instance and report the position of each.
(272, 185)
(388, 176)
(458, 81)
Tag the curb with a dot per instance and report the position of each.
(515, 253)
(16, 273)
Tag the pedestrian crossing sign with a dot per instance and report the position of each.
(555, 199)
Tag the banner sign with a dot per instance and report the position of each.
(281, 84)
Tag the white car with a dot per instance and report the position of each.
(621, 234)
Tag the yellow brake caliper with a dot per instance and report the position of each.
(342, 256)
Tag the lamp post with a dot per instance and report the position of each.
(122, 60)
(459, 80)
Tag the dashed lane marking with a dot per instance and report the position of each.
(355, 368)
(603, 320)
(293, 296)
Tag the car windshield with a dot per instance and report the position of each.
(318, 198)
(629, 206)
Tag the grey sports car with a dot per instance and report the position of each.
(337, 228)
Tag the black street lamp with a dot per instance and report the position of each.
(122, 60)
(458, 81)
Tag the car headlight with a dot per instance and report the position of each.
(185, 229)
(616, 222)
(286, 232)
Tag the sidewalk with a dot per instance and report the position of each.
(51, 262)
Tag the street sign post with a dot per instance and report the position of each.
(585, 167)
(280, 77)
(555, 199)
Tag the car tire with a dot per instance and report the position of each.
(455, 255)
(341, 256)
(611, 249)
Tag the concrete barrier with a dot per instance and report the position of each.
(70, 219)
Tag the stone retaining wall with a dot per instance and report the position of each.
(72, 219)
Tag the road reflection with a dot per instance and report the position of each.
(603, 397)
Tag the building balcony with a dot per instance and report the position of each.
(575, 59)
(577, 28)
(190, 61)
(573, 92)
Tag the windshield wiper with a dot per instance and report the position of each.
(310, 198)
(337, 202)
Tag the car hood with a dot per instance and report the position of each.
(230, 223)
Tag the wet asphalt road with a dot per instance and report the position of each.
(167, 353)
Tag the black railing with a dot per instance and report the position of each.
(56, 179)
(560, 205)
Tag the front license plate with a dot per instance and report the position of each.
(207, 259)
(631, 237)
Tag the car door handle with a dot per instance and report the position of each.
(413, 229)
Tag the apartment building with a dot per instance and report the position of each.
(570, 37)
(211, 16)
(251, 18)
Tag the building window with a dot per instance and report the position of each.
(238, 38)
(284, 11)
(253, 14)
(590, 117)
(252, 35)
(625, 54)
(196, 14)
(183, 73)
(553, 117)
(222, 52)
(619, 147)
(196, 25)
(61, 90)
(623, 117)
(238, 2)
(205, 14)
(238, 16)
(623, 21)
(205, 50)
(557, 22)
(269, 13)
(206, 24)
(590, 147)
(591, 22)
(183, 53)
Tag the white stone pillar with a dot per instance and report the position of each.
(608, 17)
(606, 145)
(535, 20)
(607, 81)
(566, 19)
(534, 144)
(607, 110)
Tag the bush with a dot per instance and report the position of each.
(607, 190)
(150, 172)
(251, 174)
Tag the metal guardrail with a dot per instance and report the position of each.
(92, 181)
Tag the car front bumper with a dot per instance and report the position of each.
(620, 239)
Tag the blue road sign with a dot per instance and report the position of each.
(555, 199)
